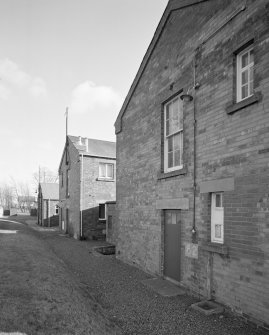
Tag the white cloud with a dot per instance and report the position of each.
(38, 88)
(12, 75)
(4, 92)
(10, 72)
(90, 98)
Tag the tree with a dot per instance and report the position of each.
(23, 195)
(6, 196)
(45, 175)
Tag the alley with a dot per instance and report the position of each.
(53, 284)
(38, 294)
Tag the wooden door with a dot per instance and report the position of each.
(172, 244)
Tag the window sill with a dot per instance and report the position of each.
(217, 248)
(105, 179)
(242, 104)
(164, 175)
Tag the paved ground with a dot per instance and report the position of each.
(109, 288)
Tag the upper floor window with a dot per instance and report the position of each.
(245, 65)
(173, 135)
(106, 171)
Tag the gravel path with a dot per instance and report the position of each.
(127, 303)
(39, 295)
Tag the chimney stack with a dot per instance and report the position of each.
(79, 140)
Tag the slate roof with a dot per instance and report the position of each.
(50, 191)
(96, 148)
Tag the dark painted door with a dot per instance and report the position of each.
(172, 246)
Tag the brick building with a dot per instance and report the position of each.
(48, 204)
(87, 180)
(193, 152)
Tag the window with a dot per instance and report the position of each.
(102, 211)
(106, 171)
(245, 65)
(217, 218)
(173, 135)
(67, 183)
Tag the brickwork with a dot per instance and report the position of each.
(70, 199)
(49, 212)
(111, 225)
(86, 192)
(95, 192)
(234, 145)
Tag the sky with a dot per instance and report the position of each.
(56, 54)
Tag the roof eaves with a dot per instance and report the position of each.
(171, 6)
(97, 156)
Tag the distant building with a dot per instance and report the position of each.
(48, 204)
(193, 154)
(87, 175)
(26, 202)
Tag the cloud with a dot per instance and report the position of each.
(90, 98)
(4, 92)
(12, 76)
(38, 88)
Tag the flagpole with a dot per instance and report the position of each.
(66, 122)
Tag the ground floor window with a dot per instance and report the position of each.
(217, 217)
(102, 211)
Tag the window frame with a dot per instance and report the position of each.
(67, 183)
(106, 177)
(240, 70)
(213, 237)
(178, 131)
(102, 218)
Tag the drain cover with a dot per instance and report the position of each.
(208, 307)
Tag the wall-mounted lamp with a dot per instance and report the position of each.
(193, 231)
(188, 97)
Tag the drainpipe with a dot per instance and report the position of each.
(195, 86)
(49, 213)
(187, 98)
(81, 196)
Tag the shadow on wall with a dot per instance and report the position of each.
(52, 221)
(93, 228)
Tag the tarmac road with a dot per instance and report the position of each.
(38, 293)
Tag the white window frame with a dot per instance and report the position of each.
(217, 218)
(104, 218)
(172, 135)
(106, 171)
(240, 70)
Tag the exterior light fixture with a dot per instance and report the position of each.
(186, 97)
(193, 231)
